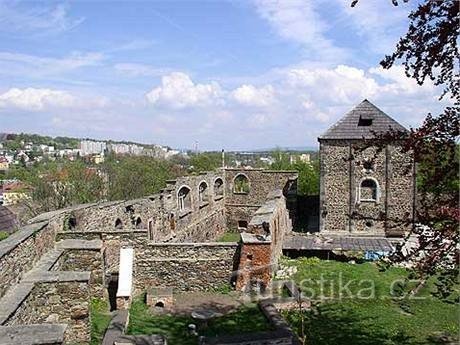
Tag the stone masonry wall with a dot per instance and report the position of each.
(344, 165)
(22, 250)
(185, 267)
(262, 243)
(242, 206)
(65, 302)
(84, 260)
(202, 220)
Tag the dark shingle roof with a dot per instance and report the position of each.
(8, 220)
(347, 127)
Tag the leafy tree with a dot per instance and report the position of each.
(429, 51)
(57, 185)
(132, 177)
(207, 161)
(308, 181)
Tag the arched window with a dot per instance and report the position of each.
(118, 224)
(241, 184)
(219, 187)
(139, 224)
(183, 198)
(203, 192)
(368, 190)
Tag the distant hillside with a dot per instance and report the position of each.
(13, 139)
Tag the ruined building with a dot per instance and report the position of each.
(51, 268)
(365, 189)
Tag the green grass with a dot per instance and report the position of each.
(380, 319)
(3, 235)
(229, 237)
(247, 318)
(100, 319)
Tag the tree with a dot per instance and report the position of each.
(133, 177)
(308, 180)
(207, 161)
(429, 51)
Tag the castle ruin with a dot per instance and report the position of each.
(51, 268)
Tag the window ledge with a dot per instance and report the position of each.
(241, 193)
(204, 204)
(184, 212)
(218, 197)
(368, 201)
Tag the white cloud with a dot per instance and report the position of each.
(36, 20)
(35, 99)
(36, 66)
(252, 96)
(178, 91)
(299, 21)
(398, 82)
(343, 84)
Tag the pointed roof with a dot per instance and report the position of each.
(361, 122)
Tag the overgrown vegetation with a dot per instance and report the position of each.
(247, 318)
(3, 235)
(308, 181)
(229, 236)
(383, 314)
(100, 319)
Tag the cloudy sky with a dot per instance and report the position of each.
(228, 74)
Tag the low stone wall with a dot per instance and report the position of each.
(281, 335)
(20, 251)
(185, 267)
(84, 260)
(58, 302)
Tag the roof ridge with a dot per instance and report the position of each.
(347, 127)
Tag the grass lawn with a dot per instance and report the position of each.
(100, 319)
(342, 318)
(229, 237)
(247, 318)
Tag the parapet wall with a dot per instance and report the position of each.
(185, 266)
(20, 251)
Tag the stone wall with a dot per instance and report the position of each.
(20, 251)
(203, 218)
(262, 243)
(84, 260)
(344, 165)
(241, 206)
(185, 267)
(64, 302)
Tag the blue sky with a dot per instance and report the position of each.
(228, 74)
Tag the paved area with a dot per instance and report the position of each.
(333, 242)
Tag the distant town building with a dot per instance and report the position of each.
(303, 158)
(4, 164)
(89, 147)
(14, 192)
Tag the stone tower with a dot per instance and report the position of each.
(364, 190)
